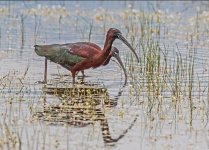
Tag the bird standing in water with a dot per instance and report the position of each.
(83, 55)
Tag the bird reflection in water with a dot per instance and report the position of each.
(80, 107)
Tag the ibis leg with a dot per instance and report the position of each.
(83, 73)
(45, 71)
(73, 75)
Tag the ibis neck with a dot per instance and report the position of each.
(107, 46)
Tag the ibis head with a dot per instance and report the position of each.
(116, 34)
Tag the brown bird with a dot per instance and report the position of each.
(83, 55)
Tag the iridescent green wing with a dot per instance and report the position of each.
(63, 57)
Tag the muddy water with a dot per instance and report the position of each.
(99, 113)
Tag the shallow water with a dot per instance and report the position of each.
(101, 113)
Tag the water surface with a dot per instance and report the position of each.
(101, 113)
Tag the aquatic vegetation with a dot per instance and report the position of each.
(46, 11)
(166, 98)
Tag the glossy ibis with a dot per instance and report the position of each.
(82, 55)
(113, 53)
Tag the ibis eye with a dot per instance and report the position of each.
(116, 36)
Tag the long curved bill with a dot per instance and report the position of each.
(121, 64)
(126, 42)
